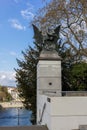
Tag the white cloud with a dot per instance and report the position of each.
(28, 12)
(7, 78)
(13, 53)
(3, 77)
(16, 1)
(30, 6)
(16, 24)
(4, 61)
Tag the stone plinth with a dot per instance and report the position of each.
(49, 72)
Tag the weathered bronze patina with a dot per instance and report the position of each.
(49, 40)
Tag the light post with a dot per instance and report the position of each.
(18, 116)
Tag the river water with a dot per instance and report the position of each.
(15, 117)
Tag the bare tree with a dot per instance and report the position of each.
(72, 16)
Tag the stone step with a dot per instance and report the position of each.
(83, 127)
(33, 127)
(76, 129)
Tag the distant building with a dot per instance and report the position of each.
(14, 92)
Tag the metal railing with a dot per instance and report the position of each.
(74, 93)
(44, 106)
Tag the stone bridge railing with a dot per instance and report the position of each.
(65, 93)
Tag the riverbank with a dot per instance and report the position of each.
(12, 104)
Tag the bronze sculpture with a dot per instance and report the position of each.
(50, 40)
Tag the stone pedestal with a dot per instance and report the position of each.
(48, 78)
(49, 73)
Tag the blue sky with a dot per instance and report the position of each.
(15, 34)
